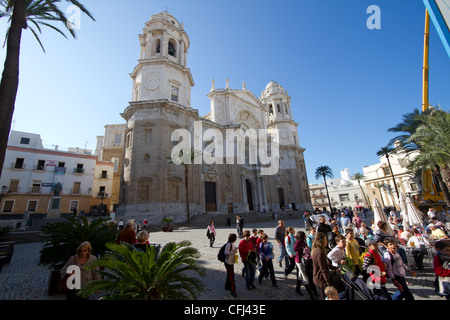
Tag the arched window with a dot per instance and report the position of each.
(144, 191)
(173, 189)
(270, 109)
(172, 48)
(158, 46)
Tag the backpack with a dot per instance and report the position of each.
(306, 255)
(221, 256)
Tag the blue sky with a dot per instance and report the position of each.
(348, 83)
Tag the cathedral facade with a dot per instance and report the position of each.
(236, 180)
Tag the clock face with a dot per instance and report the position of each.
(284, 134)
(152, 84)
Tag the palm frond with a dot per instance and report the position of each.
(41, 13)
(155, 274)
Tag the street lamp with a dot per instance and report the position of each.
(101, 195)
(4, 193)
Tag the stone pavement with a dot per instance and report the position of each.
(24, 279)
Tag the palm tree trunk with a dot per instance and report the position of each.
(445, 173)
(328, 196)
(393, 178)
(10, 76)
(442, 185)
(186, 173)
(365, 198)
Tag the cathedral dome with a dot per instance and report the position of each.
(166, 16)
(273, 88)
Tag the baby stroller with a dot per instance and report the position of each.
(358, 286)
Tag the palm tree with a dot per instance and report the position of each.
(185, 160)
(151, 275)
(324, 172)
(433, 137)
(358, 177)
(22, 14)
(426, 161)
(408, 126)
(411, 142)
(385, 151)
(61, 239)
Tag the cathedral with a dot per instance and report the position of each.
(236, 180)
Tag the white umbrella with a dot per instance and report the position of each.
(404, 210)
(414, 215)
(316, 217)
(379, 215)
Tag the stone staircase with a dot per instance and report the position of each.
(220, 220)
(21, 237)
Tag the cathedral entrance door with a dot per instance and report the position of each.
(210, 196)
(281, 197)
(249, 195)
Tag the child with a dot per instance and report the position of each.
(352, 250)
(258, 243)
(442, 268)
(337, 255)
(396, 270)
(376, 273)
(266, 255)
(309, 240)
(331, 293)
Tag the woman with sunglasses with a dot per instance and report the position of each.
(82, 259)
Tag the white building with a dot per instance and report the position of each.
(380, 184)
(161, 104)
(343, 192)
(47, 181)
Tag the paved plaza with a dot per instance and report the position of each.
(24, 279)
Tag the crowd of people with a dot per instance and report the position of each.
(339, 246)
(320, 257)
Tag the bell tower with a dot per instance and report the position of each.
(278, 104)
(162, 71)
(160, 104)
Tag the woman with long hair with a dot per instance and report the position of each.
(321, 274)
(302, 249)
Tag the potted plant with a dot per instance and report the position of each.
(6, 247)
(167, 221)
(61, 240)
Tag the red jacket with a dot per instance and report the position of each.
(244, 248)
(378, 262)
(439, 269)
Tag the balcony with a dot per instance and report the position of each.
(78, 170)
(18, 166)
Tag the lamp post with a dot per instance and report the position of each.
(4, 193)
(101, 195)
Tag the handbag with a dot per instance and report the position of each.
(62, 284)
